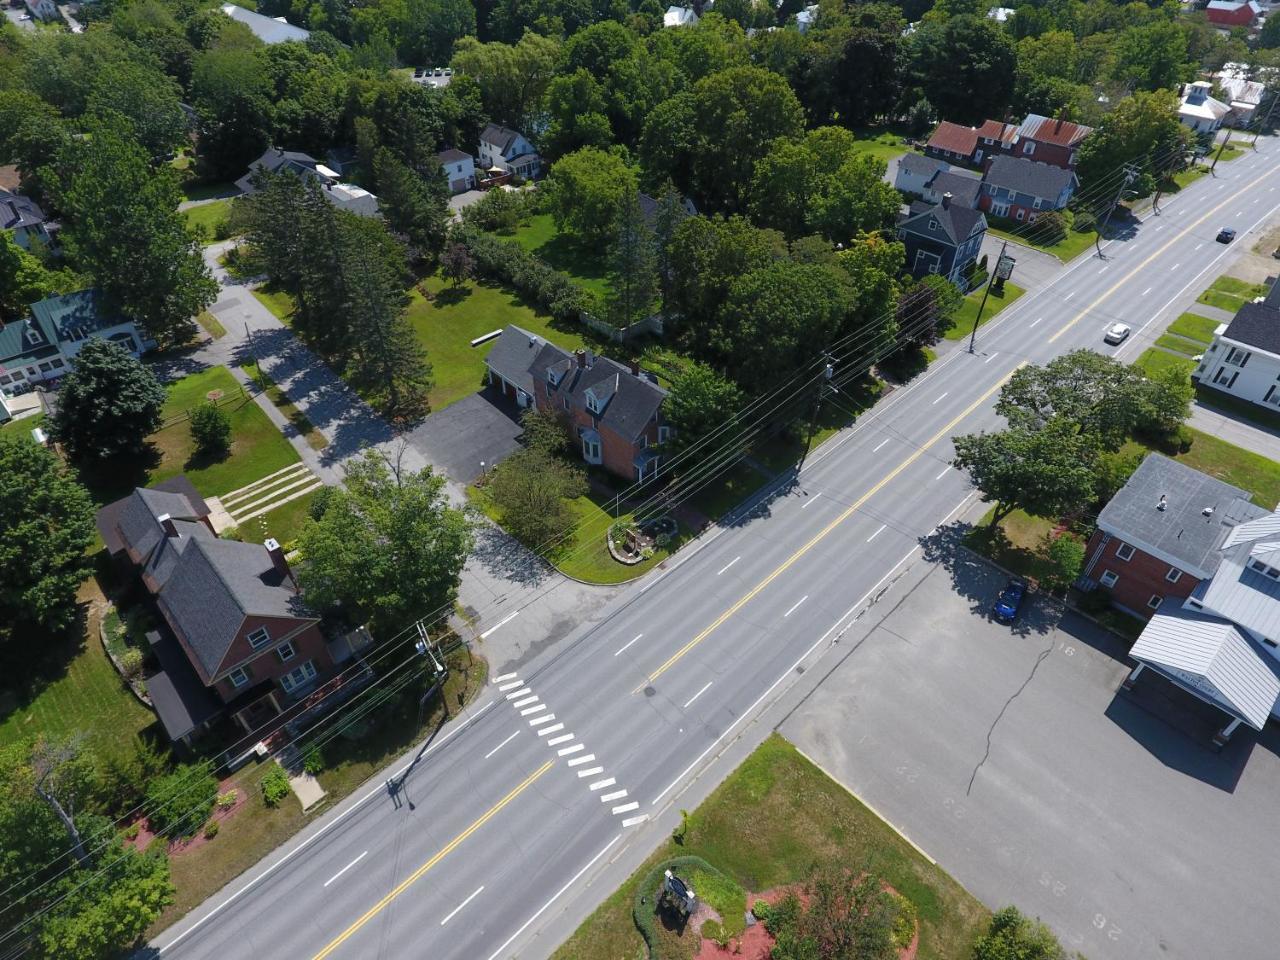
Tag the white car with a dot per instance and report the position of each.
(1116, 333)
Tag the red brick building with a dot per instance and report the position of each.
(239, 641)
(615, 410)
(1043, 139)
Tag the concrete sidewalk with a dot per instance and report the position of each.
(1226, 426)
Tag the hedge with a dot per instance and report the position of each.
(508, 262)
(644, 912)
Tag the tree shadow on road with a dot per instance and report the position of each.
(505, 558)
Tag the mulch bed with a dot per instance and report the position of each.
(756, 943)
(220, 814)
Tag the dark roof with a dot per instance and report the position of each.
(1028, 176)
(954, 138)
(18, 211)
(453, 156)
(626, 402)
(26, 341)
(215, 585)
(1258, 325)
(512, 354)
(273, 160)
(499, 136)
(75, 316)
(181, 699)
(1180, 533)
(649, 209)
(189, 505)
(957, 222)
(963, 186)
(920, 165)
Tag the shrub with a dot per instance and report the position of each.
(760, 910)
(210, 429)
(783, 914)
(227, 800)
(682, 831)
(275, 785)
(313, 761)
(645, 903)
(1050, 228)
(1085, 222)
(904, 924)
(132, 830)
(1095, 602)
(131, 663)
(1065, 554)
(182, 800)
(211, 830)
(1180, 440)
(713, 931)
(508, 262)
(1013, 935)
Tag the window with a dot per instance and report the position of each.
(1109, 579)
(551, 376)
(239, 677)
(1237, 357)
(1196, 604)
(1265, 570)
(1000, 209)
(298, 676)
(566, 403)
(1124, 552)
(663, 434)
(591, 449)
(1269, 642)
(258, 638)
(1173, 575)
(933, 225)
(286, 652)
(1021, 213)
(1028, 148)
(1036, 204)
(1154, 601)
(592, 403)
(927, 262)
(642, 441)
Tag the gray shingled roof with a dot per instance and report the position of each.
(499, 136)
(160, 565)
(18, 211)
(512, 354)
(138, 521)
(453, 156)
(1028, 176)
(1235, 673)
(957, 222)
(216, 584)
(630, 401)
(181, 699)
(920, 165)
(963, 186)
(1180, 533)
(1257, 325)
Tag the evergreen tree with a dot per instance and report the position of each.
(633, 274)
(415, 206)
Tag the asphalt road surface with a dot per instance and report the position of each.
(503, 826)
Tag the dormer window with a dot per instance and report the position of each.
(551, 376)
(933, 224)
(592, 403)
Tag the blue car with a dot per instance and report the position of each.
(1005, 609)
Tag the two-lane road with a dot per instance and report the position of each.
(565, 762)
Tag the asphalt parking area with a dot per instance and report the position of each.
(1010, 757)
(483, 427)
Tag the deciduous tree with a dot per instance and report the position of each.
(108, 404)
(701, 402)
(530, 490)
(585, 191)
(210, 430)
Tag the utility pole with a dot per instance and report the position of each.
(827, 374)
(1275, 98)
(986, 292)
(1173, 162)
(1221, 147)
(1130, 174)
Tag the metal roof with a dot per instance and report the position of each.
(1180, 533)
(1244, 595)
(267, 29)
(1215, 657)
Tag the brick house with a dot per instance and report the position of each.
(1201, 562)
(237, 639)
(1046, 139)
(614, 410)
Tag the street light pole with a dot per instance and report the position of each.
(973, 334)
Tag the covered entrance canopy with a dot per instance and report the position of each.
(1212, 659)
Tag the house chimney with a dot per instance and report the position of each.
(946, 200)
(635, 368)
(581, 356)
(1164, 502)
(170, 529)
(276, 552)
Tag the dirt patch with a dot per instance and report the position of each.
(756, 943)
(219, 816)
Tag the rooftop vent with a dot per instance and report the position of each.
(1164, 502)
(1207, 512)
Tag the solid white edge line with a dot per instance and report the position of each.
(505, 620)
(501, 745)
(375, 789)
(455, 910)
(629, 642)
(558, 894)
(697, 695)
(346, 868)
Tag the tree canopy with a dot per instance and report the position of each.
(108, 405)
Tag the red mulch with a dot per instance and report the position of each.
(756, 942)
(146, 835)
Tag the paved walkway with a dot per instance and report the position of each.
(1226, 426)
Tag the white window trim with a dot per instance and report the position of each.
(1174, 575)
(1155, 601)
(306, 672)
(263, 635)
(280, 652)
(664, 433)
(239, 677)
(1121, 553)
(1109, 578)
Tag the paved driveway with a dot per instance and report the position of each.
(481, 427)
(1009, 756)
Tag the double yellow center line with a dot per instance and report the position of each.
(786, 565)
(417, 874)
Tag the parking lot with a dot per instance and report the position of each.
(1010, 757)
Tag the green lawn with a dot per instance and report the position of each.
(1188, 348)
(1184, 178)
(447, 323)
(1230, 152)
(728, 489)
(1070, 247)
(1154, 360)
(1014, 544)
(1194, 327)
(880, 142)
(539, 236)
(206, 217)
(277, 301)
(306, 429)
(1228, 293)
(765, 826)
(962, 321)
(211, 324)
(71, 687)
